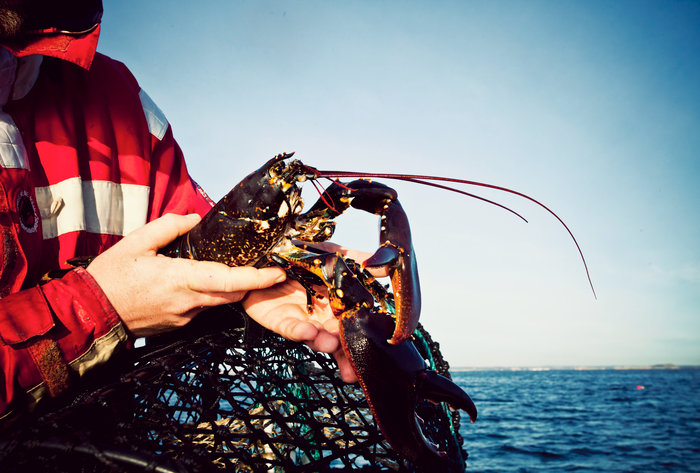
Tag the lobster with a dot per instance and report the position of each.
(257, 224)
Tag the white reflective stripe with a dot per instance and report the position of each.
(12, 152)
(103, 207)
(157, 123)
(100, 351)
(96, 355)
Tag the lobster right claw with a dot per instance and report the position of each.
(396, 249)
(396, 253)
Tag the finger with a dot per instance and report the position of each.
(204, 299)
(295, 329)
(211, 277)
(347, 373)
(288, 320)
(161, 231)
(324, 342)
(332, 326)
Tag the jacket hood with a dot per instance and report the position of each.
(64, 30)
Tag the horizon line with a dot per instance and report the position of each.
(659, 366)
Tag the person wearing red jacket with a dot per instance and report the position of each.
(89, 166)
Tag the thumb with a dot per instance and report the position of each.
(161, 231)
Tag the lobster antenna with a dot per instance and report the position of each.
(421, 179)
(319, 187)
(469, 194)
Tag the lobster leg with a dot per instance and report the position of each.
(321, 269)
(396, 249)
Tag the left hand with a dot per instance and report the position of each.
(282, 309)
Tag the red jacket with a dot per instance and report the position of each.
(99, 160)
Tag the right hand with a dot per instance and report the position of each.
(282, 309)
(154, 294)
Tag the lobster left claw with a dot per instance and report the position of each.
(396, 250)
(394, 377)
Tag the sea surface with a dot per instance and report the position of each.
(585, 421)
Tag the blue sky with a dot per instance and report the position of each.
(591, 107)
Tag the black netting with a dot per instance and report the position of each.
(220, 396)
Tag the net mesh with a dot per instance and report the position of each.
(222, 395)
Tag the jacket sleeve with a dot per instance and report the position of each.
(51, 335)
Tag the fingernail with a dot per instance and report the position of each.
(282, 276)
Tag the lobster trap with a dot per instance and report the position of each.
(223, 394)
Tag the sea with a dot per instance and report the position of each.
(607, 420)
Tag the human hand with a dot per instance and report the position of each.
(282, 309)
(153, 293)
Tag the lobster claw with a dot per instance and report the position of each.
(394, 377)
(396, 249)
(396, 253)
